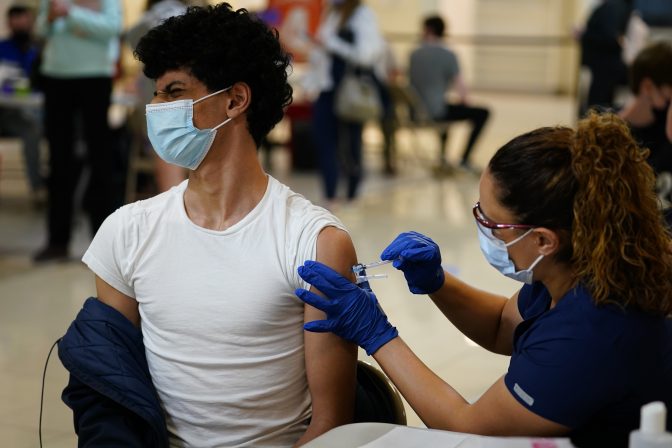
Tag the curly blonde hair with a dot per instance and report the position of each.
(594, 187)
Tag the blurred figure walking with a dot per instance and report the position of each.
(347, 39)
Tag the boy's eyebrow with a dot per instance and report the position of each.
(169, 86)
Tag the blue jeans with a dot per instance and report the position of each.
(339, 146)
(26, 125)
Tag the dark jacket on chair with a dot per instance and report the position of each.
(110, 389)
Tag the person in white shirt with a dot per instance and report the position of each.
(208, 269)
(347, 39)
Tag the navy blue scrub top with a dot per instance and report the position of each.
(587, 367)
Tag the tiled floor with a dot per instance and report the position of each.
(37, 304)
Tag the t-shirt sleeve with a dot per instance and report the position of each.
(563, 375)
(532, 300)
(315, 219)
(109, 255)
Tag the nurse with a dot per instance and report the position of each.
(572, 214)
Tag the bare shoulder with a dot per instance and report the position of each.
(335, 249)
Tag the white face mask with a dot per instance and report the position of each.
(497, 254)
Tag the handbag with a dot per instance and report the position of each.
(356, 99)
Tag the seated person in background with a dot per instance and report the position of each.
(433, 70)
(649, 113)
(208, 269)
(18, 56)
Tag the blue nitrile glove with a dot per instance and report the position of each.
(353, 313)
(419, 258)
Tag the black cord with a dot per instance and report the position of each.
(44, 375)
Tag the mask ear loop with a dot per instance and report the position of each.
(213, 94)
(536, 262)
(511, 243)
(222, 123)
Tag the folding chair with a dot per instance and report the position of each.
(411, 113)
(377, 400)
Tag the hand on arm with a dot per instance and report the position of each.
(330, 361)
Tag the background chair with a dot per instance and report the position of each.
(411, 113)
(377, 400)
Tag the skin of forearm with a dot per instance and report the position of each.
(435, 401)
(474, 312)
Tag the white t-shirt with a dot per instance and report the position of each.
(222, 328)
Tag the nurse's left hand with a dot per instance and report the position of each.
(353, 313)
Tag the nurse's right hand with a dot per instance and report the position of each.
(419, 258)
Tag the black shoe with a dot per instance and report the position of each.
(51, 253)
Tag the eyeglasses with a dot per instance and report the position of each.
(485, 222)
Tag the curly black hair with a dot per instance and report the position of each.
(220, 46)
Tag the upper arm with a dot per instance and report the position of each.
(330, 360)
(507, 324)
(126, 305)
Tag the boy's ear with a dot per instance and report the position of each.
(240, 95)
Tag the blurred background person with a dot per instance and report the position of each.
(156, 11)
(347, 36)
(386, 72)
(18, 57)
(80, 52)
(649, 112)
(433, 71)
(602, 51)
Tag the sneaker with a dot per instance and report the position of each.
(51, 254)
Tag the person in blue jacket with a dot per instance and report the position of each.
(573, 215)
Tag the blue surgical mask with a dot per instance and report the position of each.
(497, 253)
(171, 130)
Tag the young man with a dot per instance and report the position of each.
(208, 269)
(649, 114)
(433, 70)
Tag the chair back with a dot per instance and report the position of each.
(409, 108)
(377, 400)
